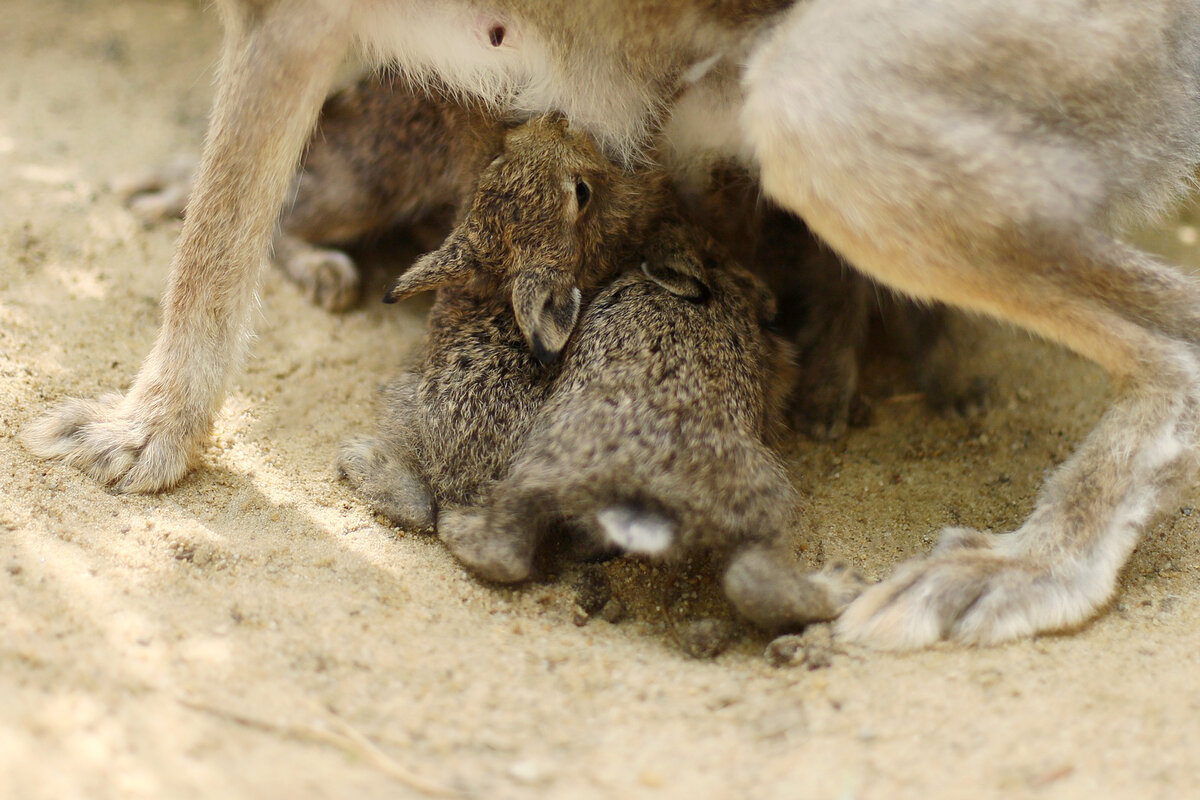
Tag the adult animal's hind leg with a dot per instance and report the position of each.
(928, 189)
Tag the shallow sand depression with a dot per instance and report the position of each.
(258, 632)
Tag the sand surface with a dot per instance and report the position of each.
(259, 633)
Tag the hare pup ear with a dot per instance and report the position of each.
(678, 282)
(546, 303)
(449, 264)
(673, 262)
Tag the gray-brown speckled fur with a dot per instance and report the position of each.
(990, 155)
(387, 154)
(550, 222)
(654, 439)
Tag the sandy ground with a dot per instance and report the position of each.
(259, 633)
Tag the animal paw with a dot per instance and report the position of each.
(491, 555)
(966, 399)
(974, 588)
(114, 445)
(776, 593)
(158, 194)
(826, 416)
(841, 583)
(386, 483)
(329, 278)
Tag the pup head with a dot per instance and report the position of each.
(550, 219)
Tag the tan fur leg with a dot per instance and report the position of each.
(926, 188)
(277, 65)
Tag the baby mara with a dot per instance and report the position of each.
(387, 154)
(990, 155)
(550, 222)
(648, 436)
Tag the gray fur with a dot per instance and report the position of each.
(511, 278)
(985, 154)
(654, 439)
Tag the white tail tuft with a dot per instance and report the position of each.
(636, 531)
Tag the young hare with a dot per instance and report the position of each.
(385, 154)
(550, 221)
(653, 440)
(989, 155)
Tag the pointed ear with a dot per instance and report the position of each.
(447, 265)
(546, 304)
(673, 262)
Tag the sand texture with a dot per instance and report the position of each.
(259, 633)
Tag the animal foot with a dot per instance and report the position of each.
(111, 442)
(822, 422)
(966, 399)
(329, 278)
(492, 555)
(841, 583)
(158, 194)
(386, 483)
(774, 592)
(973, 589)
(825, 419)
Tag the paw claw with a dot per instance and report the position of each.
(964, 591)
(101, 439)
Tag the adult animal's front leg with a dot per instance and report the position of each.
(278, 61)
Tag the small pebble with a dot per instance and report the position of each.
(706, 638)
(592, 589)
(613, 611)
(812, 649)
(529, 772)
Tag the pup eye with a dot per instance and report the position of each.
(583, 193)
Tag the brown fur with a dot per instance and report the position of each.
(384, 154)
(511, 278)
(668, 390)
(985, 154)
